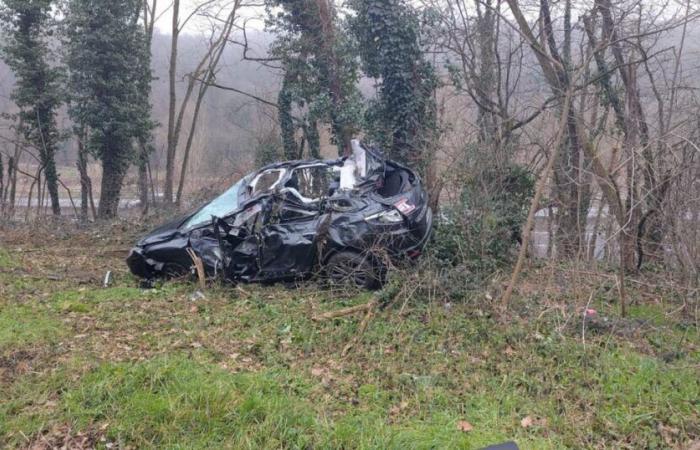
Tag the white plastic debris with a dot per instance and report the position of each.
(108, 279)
(197, 295)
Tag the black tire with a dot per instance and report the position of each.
(351, 268)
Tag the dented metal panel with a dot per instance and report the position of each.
(286, 220)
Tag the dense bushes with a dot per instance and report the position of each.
(479, 234)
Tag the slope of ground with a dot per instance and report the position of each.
(119, 367)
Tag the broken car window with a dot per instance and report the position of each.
(312, 182)
(265, 181)
(221, 206)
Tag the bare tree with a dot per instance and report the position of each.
(175, 114)
(620, 186)
(205, 75)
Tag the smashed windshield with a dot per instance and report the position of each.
(221, 206)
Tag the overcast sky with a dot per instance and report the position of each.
(252, 14)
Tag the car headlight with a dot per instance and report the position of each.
(392, 216)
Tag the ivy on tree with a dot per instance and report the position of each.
(27, 25)
(106, 57)
(320, 75)
(402, 119)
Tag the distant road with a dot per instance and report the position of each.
(65, 202)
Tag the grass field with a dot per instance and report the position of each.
(119, 367)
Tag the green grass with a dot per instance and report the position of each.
(83, 300)
(250, 369)
(6, 260)
(27, 325)
(175, 402)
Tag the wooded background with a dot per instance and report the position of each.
(473, 93)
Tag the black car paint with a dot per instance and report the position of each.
(288, 238)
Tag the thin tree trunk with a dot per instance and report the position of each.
(153, 184)
(149, 12)
(37, 179)
(213, 57)
(3, 198)
(143, 179)
(47, 152)
(593, 241)
(39, 193)
(172, 134)
(2, 184)
(313, 138)
(188, 146)
(12, 176)
(534, 204)
(84, 180)
(92, 199)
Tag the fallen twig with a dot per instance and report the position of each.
(242, 291)
(345, 311)
(361, 329)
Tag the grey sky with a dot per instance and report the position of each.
(252, 15)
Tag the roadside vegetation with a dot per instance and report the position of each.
(247, 367)
(556, 304)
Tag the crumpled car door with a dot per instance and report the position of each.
(287, 241)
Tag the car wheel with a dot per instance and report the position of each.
(348, 267)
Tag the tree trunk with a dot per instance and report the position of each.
(341, 129)
(188, 146)
(2, 184)
(534, 203)
(314, 140)
(5, 193)
(84, 180)
(143, 178)
(47, 150)
(12, 177)
(286, 121)
(113, 171)
(485, 83)
(556, 78)
(172, 134)
(51, 177)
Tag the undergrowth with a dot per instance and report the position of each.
(248, 367)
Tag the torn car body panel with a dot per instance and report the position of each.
(285, 221)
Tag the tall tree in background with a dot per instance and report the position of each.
(146, 147)
(572, 170)
(106, 57)
(173, 125)
(402, 118)
(320, 75)
(210, 9)
(27, 24)
(222, 23)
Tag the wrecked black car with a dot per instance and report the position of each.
(344, 219)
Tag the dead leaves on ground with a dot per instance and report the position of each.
(65, 437)
(530, 421)
(464, 426)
